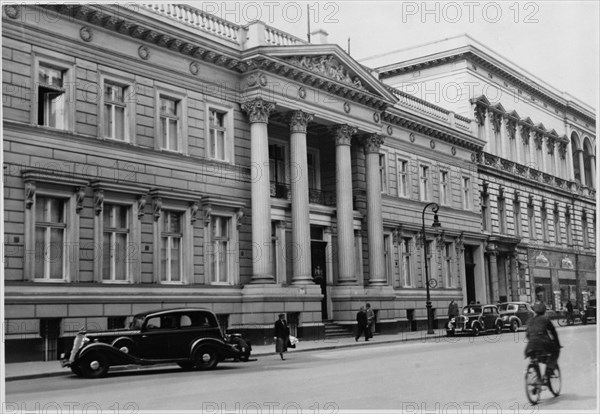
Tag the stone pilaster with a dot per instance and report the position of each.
(372, 143)
(344, 209)
(492, 256)
(593, 171)
(300, 211)
(258, 111)
(581, 167)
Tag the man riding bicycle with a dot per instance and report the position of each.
(542, 338)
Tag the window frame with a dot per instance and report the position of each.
(68, 68)
(383, 172)
(425, 182)
(228, 145)
(467, 198)
(445, 188)
(403, 177)
(129, 102)
(166, 213)
(181, 103)
(407, 252)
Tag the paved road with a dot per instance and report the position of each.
(481, 373)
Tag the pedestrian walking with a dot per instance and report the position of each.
(361, 320)
(370, 320)
(282, 335)
(452, 310)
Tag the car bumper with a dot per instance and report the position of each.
(64, 360)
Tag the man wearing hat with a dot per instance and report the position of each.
(542, 337)
(282, 333)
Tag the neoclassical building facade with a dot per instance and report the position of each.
(240, 169)
(537, 169)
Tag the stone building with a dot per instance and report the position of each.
(241, 169)
(537, 170)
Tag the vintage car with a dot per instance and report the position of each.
(475, 319)
(189, 337)
(590, 312)
(515, 314)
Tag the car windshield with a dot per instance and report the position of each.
(472, 309)
(136, 323)
(507, 307)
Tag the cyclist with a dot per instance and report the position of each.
(569, 307)
(542, 338)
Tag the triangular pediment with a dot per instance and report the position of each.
(528, 121)
(482, 100)
(514, 114)
(331, 63)
(498, 107)
(540, 126)
(553, 133)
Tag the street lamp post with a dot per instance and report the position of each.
(436, 224)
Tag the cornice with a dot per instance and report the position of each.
(562, 104)
(103, 16)
(425, 127)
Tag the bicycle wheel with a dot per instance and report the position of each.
(554, 382)
(533, 387)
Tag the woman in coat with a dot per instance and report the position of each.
(282, 334)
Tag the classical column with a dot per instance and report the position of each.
(344, 209)
(593, 171)
(372, 144)
(581, 167)
(302, 274)
(258, 111)
(492, 252)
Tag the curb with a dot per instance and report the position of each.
(67, 372)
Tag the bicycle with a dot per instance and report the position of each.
(535, 382)
(565, 318)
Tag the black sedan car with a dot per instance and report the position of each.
(475, 319)
(515, 314)
(189, 337)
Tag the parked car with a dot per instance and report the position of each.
(476, 319)
(189, 337)
(515, 314)
(590, 312)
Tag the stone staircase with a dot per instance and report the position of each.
(333, 330)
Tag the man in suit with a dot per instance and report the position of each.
(361, 320)
(282, 333)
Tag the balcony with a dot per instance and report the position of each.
(283, 191)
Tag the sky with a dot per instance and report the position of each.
(557, 41)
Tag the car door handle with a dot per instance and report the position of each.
(144, 336)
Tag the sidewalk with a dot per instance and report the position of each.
(38, 369)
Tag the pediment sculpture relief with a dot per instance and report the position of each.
(327, 66)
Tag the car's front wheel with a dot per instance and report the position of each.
(514, 325)
(205, 358)
(93, 365)
(499, 327)
(476, 330)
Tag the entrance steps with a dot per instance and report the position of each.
(333, 330)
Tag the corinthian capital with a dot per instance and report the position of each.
(299, 120)
(258, 110)
(372, 143)
(343, 134)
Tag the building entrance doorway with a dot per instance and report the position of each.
(470, 274)
(318, 262)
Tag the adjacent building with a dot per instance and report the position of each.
(164, 157)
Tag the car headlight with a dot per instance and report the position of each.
(505, 318)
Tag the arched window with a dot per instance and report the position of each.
(587, 162)
(575, 147)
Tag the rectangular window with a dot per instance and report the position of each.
(171, 253)
(402, 178)
(448, 277)
(544, 224)
(568, 227)
(557, 235)
(383, 173)
(50, 228)
(387, 255)
(115, 112)
(466, 189)
(531, 221)
(407, 261)
(314, 180)
(169, 124)
(485, 212)
(424, 182)
(517, 216)
(584, 230)
(115, 243)
(220, 241)
(502, 215)
(217, 135)
(444, 186)
(51, 97)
